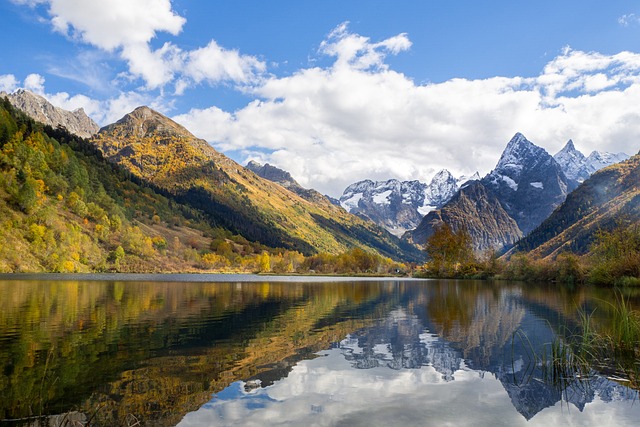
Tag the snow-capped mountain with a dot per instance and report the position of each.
(515, 197)
(400, 205)
(579, 167)
(528, 182)
(570, 160)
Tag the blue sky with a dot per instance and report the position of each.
(338, 91)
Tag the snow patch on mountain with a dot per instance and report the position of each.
(423, 210)
(510, 182)
(351, 202)
(382, 198)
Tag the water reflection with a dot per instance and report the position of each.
(477, 370)
(340, 353)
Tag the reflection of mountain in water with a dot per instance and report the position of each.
(495, 332)
(400, 342)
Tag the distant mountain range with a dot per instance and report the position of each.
(399, 206)
(523, 189)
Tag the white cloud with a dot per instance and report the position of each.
(359, 119)
(126, 28)
(357, 51)
(115, 24)
(8, 83)
(214, 63)
(34, 83)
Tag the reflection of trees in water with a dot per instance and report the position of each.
(158, 350)
(478, 318)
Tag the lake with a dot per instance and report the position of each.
(209, 350)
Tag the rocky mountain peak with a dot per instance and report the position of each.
(518, 153)
(442, 175)
(41, 110)
(272, 173)
(144, 122)
(528, 182)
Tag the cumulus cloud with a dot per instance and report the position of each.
(127, 27)
(8, 83)
(34, 83)
(356, 51)
(357, 118)
(213, 63)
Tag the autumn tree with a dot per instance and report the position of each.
(449, 252)
(265, 262)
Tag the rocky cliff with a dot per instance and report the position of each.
(41, 110)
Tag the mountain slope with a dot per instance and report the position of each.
(528, 182)
(160, 151)
(63, 208)
(476, 210)
(41, 110)
(608, 196)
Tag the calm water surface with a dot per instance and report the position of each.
(201, 350)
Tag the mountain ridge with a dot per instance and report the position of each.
(610, 195)
(579, 167)
(37, 107)
(397, 205)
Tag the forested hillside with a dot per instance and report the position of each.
(64, 208)
(608, 199)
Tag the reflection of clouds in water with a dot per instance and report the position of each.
(327, 391)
